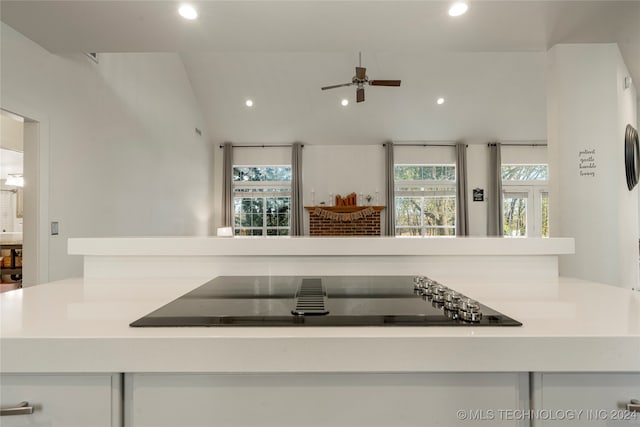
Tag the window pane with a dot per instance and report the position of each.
(544, 202)
(425, 202)
(428, 173)
(408, 173)
(248, 232)
(440, 215)
(272, 220)
(408, 232)
(525, 172)
(425, 173)
(408, 211)
(515, 216)
(261, 173)
(251, 215)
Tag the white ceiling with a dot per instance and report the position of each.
(298, 46)
(307, 26)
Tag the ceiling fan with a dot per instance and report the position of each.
(361, 79)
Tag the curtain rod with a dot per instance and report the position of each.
(260, 146)
(452, 144)
(524, 144)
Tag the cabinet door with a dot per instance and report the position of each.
(336, 400)
(585, 399)
(81, 400)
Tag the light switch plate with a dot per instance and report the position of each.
(54, 228)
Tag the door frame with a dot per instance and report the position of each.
(35, 225)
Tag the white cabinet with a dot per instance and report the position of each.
(65, 400)
(323, 399)
(584, 399)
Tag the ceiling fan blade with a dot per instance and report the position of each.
(360, 95)
(335, 86)
(384, 82)
(361, 73)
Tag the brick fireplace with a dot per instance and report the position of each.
(344, 220)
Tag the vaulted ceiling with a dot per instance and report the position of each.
(288, 49)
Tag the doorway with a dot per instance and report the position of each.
(23, 201)
(11, 200)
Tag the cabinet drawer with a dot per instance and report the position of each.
(81, 400)
(310, 400)
(585, 399)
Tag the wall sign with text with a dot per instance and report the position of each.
(587, 163)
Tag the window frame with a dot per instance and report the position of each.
(535, 190)
(424, 189)
(251, 190)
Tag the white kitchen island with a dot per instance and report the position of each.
(578, 348)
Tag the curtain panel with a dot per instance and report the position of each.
(297, 210)
(227, 189)
(462, 208)
(390, 216)
(494, 199)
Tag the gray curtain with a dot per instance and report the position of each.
(494, 199)
(462, 210)
(227, 190)
(297, 211)
(390, 222)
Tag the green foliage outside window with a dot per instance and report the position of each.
(515, 216)
(520, 183)
(262, 200)
(545, 215)
(425, 201)
(525, 172)
(425, 215)
(261, 173)
(425, 173)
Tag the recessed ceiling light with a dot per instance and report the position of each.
(458, 8)
(344, 102)
(188, 12)
(248, 103)
(440, 101)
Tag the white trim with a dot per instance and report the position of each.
(36, 219)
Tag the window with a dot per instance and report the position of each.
(525, 201)
(261, 200)
(425, 200)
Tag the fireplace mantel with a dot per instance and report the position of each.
(343, 209)
(344, 220)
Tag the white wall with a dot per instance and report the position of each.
(343, 169)
(11, 132)
(124, 155)
(588, 110)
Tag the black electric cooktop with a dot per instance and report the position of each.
(324, 301)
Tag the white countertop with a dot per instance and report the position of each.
(81, 325)
(317, 246)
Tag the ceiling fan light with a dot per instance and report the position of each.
(458, 8)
